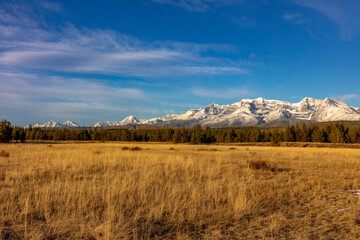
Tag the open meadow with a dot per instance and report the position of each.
(177, 191)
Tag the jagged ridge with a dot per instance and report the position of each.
(247, 112)
(53, 124)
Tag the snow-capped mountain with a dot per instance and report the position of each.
(247, 112)
(53, 124)
(71, 124)
(50, 124)
(129, 120)
(105, 124)
(255, 112)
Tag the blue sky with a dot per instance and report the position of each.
(90, 61)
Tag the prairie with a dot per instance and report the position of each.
(175, 191)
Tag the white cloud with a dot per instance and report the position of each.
(295, 18)
(288, 16)
(27, 42)
(228, 93)
(347, 97)
(52, 6)
(200, 5)
(216, 70)
(107, 52)
(44, 94)
(30, 98)
(344, 15)
(244, 21)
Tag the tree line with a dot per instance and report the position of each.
(330, 133)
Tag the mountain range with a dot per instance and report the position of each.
(247, 112)
(53, 124)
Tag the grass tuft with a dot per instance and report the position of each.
(131, 148)
(4, 154)
(207, 149)
(259, 165)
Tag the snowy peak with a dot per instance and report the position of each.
(130, 120)
(53, 124)
(50, 124)
(70, 124)
(253, 112)
(247, 112)
(99, 124)
(105, 124)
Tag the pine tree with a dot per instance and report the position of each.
(197, 135)
(255, 135)
(22, 135)
(231, 135)
(319, 135)
(353, 135)
(289, 134)
(209, 135)
(337, 133)
(16, 134)
(305, 133)
(169, 134)
(5, 131)
(276, 137)
(184, 135)
(95, 135)
(193, 138)
(177, 136)
(298, 134)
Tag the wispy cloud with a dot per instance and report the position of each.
(52, 6)
(228, 93)
(50, 96)
(245, 21)
(212, 70)
(350, 96)
(295, 18)
(344, 14)
(31, 45)
(38, 64)
(65, 89)
(200, 5)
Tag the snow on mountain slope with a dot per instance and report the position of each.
(50, 124)
(70, 124)
(53, 124)
(253, 112)
(247, 112)
(129, 120)
(105, 124)
(157, 119)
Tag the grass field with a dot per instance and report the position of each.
(164, 191)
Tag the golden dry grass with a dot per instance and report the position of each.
(164, 191)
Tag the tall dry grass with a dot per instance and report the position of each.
(162, 191)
